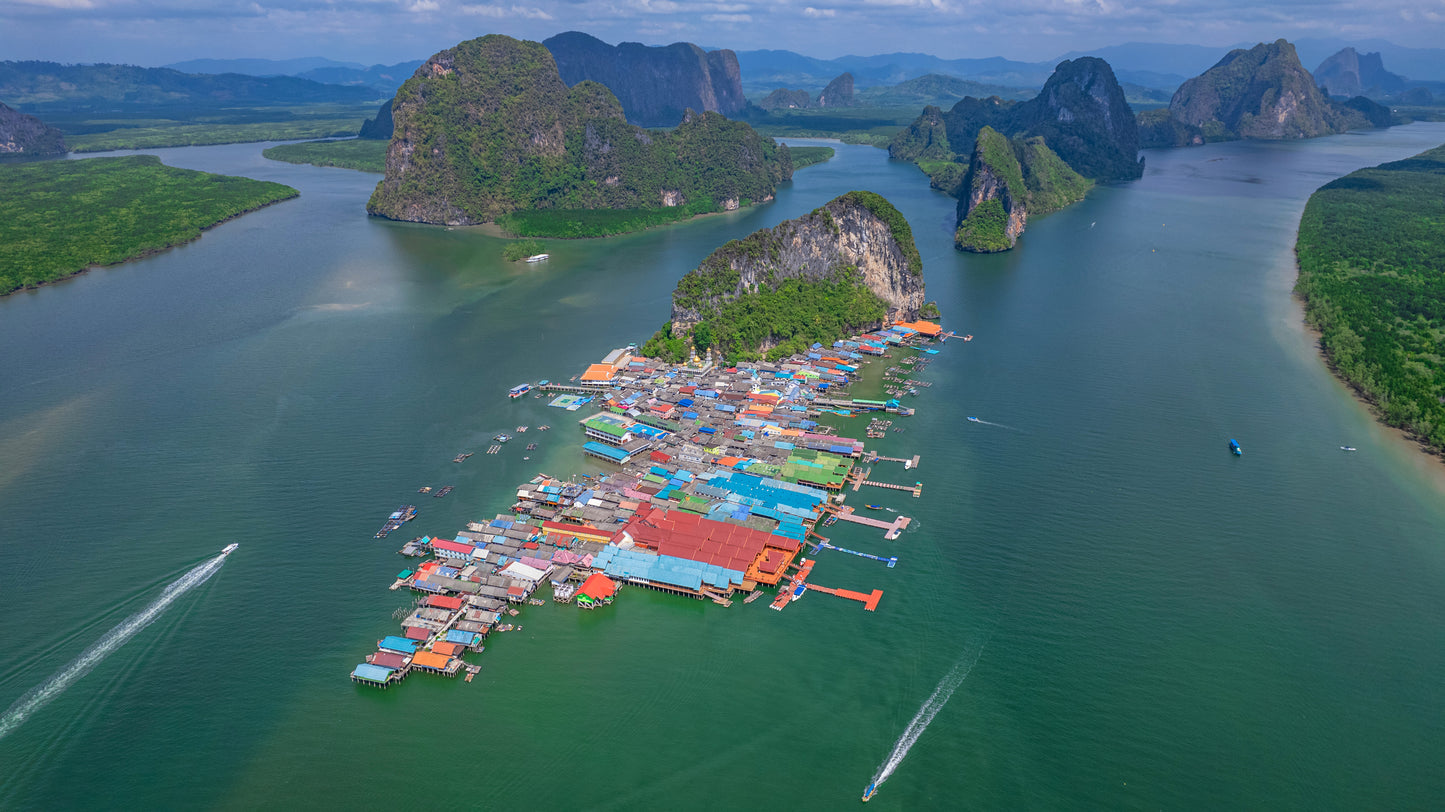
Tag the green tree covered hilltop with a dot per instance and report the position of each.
(1372, 275)
(843, 268)
(488, 128)
(115, 209)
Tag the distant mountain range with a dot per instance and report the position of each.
(384, 79)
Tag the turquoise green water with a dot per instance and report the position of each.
(1155, 623)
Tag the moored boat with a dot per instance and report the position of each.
(519, 390)
(539, 257)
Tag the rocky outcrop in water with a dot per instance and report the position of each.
(488, 127)
(1081, 113)
(1007, 180)
(655, 84)
(23, 136)
(847, 266)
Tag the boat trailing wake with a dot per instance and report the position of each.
(924, 717)
(41, 694)
(990, 423)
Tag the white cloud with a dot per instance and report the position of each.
(423, 6)
(727, 18)
(819, 12)
(506, 12)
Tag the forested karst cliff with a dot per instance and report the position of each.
(1077, 130)
(656, 85)
(847, 266)
(488, 127)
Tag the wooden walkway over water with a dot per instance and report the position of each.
(890, 529)
(869, 601)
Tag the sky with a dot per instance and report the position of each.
(156, 32)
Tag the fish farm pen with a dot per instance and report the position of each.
(718, 480)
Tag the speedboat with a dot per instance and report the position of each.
(868, 793)
(973, 419)
(1347, 448)
(230, 548)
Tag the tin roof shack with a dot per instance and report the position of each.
(597, 590)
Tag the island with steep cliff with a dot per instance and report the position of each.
(1006, 159)
(846, 267)
(488, 130)
(1262, 93)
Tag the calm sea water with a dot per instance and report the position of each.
(1156, 624)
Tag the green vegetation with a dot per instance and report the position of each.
(360, 154)
(985, 229)
(793, 315)
(199, 135)
(1052, 184)
(807, 156)
(576, 223)
(1372, 274)
(930, 311)
(521, 249)
(58, 218)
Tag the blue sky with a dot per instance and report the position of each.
(154, 32)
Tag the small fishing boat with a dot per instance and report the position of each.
(874, 507)
(230, 548)
(461, 456)
(502, 438)
(1347, 448)
(424, 489)
(973, 419)
(868, 793)
(539, 257)
(1234, 448)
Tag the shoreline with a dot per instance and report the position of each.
(149, 252)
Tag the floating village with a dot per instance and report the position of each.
(717, 483)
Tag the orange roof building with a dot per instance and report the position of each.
(597, 590)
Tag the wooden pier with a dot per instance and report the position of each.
(859, 481)
(891, 530)
(908, 464)
(563, 387)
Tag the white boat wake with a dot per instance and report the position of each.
(41, 694)
(924, 717)
(990, 423)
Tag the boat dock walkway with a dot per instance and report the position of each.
(870, 601)
(891, 529)
(907, 463)
(916, 488)
(794, 589)
(823, 545)
(565, 387)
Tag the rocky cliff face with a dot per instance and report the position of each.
(655, 85)
(1082, 115)
(1351, 73)
(1263, 92)
(857, 240)
(838, 93)
(23, 135)
(784, 99)
(488, 127)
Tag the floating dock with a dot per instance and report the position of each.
(916, 488)
(823, 545)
